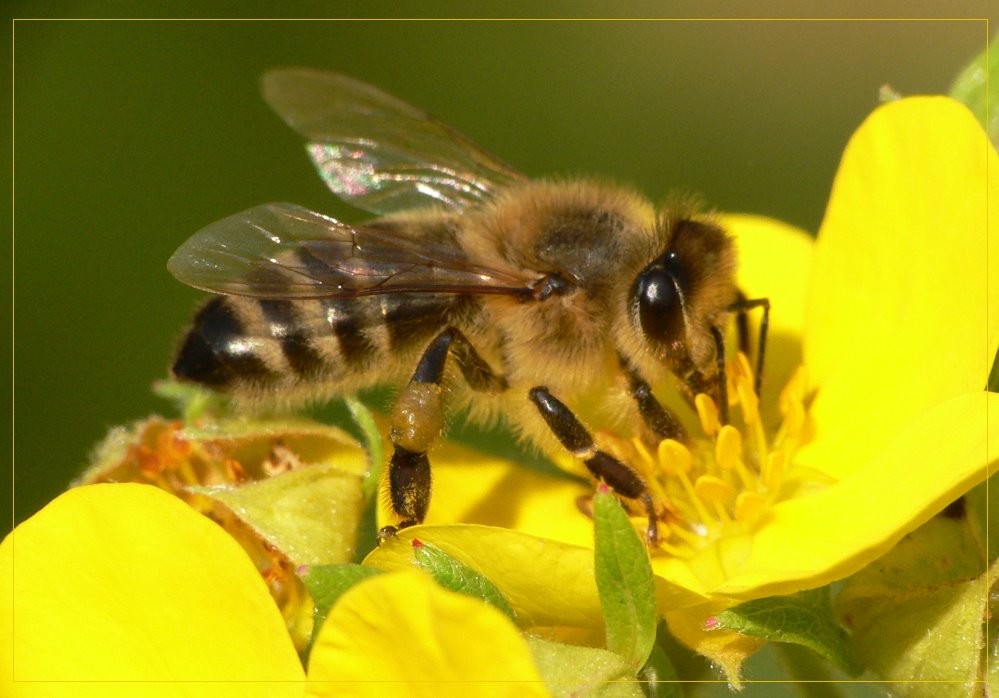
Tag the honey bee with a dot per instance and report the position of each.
(532, 300)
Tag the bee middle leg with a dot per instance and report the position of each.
(418, 419)
(578, 441)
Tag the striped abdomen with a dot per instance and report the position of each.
(247, 345)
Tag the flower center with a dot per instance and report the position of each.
(722, 483)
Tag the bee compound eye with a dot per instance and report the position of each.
(660, 308)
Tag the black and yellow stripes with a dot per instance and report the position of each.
(238, 343)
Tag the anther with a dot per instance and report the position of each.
(728, 447)
(674, 457)
(749, 505)
(707, 412)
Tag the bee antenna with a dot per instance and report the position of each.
(722, 377)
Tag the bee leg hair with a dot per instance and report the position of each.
(417, 421)
(742, 324)
(577, 440)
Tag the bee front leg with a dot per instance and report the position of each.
(574, 436)
(660, 421)
(418, 419)
(742, 324)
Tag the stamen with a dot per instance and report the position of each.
(749, 505)
(728, 447)
(728, 454)
(695, 501)
(707, 411)
(715, 492)
(674, 457)
(773, 470)
(713, 489)
(721, 482)
(693, 538)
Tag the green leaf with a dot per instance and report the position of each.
(326, 583)
(625, 583)
(917, 614)
(977, 86)
(310, 513)
(982, 506)
(992, 636)
(658, 677)
(457, 576)
(570, 671)
(372, 443)
(805, 618)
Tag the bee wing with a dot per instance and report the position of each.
(377, 152)
(286, 251)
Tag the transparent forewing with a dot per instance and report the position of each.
(377, 152)
(286, 251)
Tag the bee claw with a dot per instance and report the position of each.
(386, 533)
(652, 533)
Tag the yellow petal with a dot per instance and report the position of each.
(903, 309)
(124, 582)
(547, 583)
(401, 634)
(837, 531)
(473, 487)
(775, 261)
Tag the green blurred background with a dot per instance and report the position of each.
(130, 136)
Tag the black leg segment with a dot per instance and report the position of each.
(418, 418)
(740, 307)
(716, 334)
(660, 421)
(577, 440)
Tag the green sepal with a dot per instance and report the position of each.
(457, 576)
(310, 513)
(327, 583)
(192, 401)
(977, 87)
(992, 637)
(981, 505)
(917, 614)
(624, 582)
(805, 619)
(570, 671)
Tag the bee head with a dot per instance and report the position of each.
(676, 299)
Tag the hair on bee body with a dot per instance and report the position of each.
(554, 304)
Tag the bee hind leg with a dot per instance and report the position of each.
(603, 466)
(418, 419)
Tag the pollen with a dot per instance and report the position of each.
(723, 481)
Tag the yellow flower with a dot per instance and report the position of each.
(893, 312)
(122, 589)
(899, 334)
